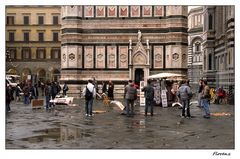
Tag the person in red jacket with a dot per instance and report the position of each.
(220, 94)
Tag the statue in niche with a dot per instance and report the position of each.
(139, 36)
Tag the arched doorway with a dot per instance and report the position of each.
(139, 75)
(55, 75)
(25, 73)
(41, 75)
(12, 71)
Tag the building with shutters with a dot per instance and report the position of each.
(33, 44)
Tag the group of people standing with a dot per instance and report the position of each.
(185, 94)
(90, 91)
(51, 90)
(28, 91)
(130, 95)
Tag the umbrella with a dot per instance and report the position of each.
(166, 75)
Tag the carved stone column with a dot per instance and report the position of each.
(148, 52)
(130, 59)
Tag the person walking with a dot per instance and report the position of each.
(89, 92)
(58, 88)
(18, 91)
(9, 97)
(26, 93)
(65, 89)
(149, 97)
(54, 90)
(130, 94)
(48, 90)
(42, 85)
(34, 91)
(184, 93)
(104, 87)
(110, 90)
(205, 99)
(200, 88)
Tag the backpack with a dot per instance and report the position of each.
(190, 95)
(65, 88)
(149, 93)
(88, 94)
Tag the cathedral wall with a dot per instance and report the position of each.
(95, 42)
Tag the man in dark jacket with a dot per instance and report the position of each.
(130, 94)
(149, 97)
(65, 89)
(34, 91)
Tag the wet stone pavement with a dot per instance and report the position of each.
(66, 127)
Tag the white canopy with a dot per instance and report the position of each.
(166, 75)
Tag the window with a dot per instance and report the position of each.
(197, 47)
(26, 20)
(55, 53)
(55, 20)
(40, 20)
(11, 36)
(55, 36)
(10, 20)
(209, 61)
(210, 22)
(41, 53)
(41, 36)
(26, 53)
(12, 53)
(26, 36)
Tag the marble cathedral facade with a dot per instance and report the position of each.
(119, 43)
(219, 46)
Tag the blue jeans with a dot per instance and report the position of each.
(47, 101)
(88, 106)
(185, 104)
(206, 106)
(26, 99)
(200, 100)
(148, 103)
(130, 107)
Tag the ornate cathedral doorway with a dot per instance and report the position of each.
(139, 75)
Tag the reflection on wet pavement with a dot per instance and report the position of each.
(69, 128)
(59, 135)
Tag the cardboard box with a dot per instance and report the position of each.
(37, 103)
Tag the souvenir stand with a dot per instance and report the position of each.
(161, 91)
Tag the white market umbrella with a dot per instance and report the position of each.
(166, 75)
